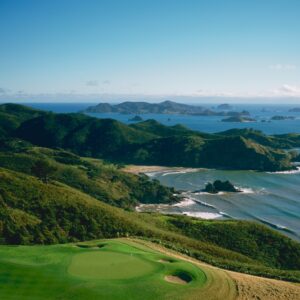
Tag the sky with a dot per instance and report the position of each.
(74, 50)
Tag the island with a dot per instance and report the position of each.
(165, 107)
(295, 109)
(136, 119)
(224, 106)
(281, 118)
(220, 186)
(239, 119)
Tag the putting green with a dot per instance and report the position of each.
(110, 265)
(115, 269)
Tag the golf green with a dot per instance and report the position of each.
(110, 265)
(117, 269)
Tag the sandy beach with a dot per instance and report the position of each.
(134, 169)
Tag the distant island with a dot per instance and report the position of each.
(165, 107)
(295, 109)
(239, 119)
(136, 119)
(281, 118)
(225, 106)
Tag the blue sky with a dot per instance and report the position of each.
(81, 50)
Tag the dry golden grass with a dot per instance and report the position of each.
(253, 287)
(223, 284)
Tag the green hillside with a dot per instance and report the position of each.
(152, 143)
(53, 195)
(193, 151)
(102, 269)
(35, 212)
(12, 115)
(82, 134)
(101, 180)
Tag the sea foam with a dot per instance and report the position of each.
(184, 202)
(202, 215)
(286, 172)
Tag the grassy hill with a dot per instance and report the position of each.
(35, 212)
(152, 143)
(284, 141)
(12, 115)
(101, 180)
(82, 134)
(193, 151)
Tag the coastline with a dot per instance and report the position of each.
(137, 169)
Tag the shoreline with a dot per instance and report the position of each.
(137, 169)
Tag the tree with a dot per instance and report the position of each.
(43, 170)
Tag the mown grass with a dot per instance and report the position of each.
(67, 272)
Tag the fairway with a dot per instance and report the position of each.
(110, 269)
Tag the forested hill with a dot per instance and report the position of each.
(150, 142)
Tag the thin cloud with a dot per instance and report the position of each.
(282, 67)
(288, 90)
(92, 83)
(2, 91)
(106, 82)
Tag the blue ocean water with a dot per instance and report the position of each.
(209, 124)
(272, 199)
(269, 198)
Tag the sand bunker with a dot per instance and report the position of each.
(179, 278)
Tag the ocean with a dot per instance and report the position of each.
(211, 124)
(272, 199)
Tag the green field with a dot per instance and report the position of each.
(103, 269)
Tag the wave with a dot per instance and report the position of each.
(286, 172)
(245, 190)
(273, 225)
(209, 194)
(153, 174)
(175, 172)
(242, 190)
(226, 215)
(184, 202)
(203, 203)
(202, 215)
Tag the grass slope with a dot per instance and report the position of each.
(34, 212)
(117, 270)
(96, 178)
(12, 115)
